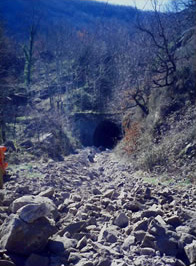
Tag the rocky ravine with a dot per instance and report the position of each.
(83, 213)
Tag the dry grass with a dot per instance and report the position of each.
(171, 150)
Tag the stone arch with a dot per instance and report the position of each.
(106, 134)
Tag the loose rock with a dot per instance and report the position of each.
(121, 220)
(24, 238)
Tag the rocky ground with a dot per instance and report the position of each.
(97, 212)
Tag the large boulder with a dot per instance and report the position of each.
(40, 206)
(32, 212)
(20, 237)
(160, 238)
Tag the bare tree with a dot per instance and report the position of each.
(32, 30)
(164, 66)
(9, 72)
(28, 52)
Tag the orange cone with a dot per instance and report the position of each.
(3, 165)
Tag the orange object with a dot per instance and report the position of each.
(3, 165)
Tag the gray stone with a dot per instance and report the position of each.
(76, 227)
(84, 262)
(101, 233)
(130, 240)
(168, 245)
(119, 262)
(47, 193)
(22, 190)
(105, 202)
(147, 193)
(111, 207)
(65, 195)
(190, 250)
(165, 192)
(108, 234)
(160, 220)
(109, 193)
(9, 144)
(76, 198)
(20, 237)
(147, 251)
(165, 241)
(140, 261)
(121, 220)
(73, 210)
(60, 244)
(151, 212)
(183, 229)
(139, 235)
(74, 257)
(56, 261)
(133, 206)
(82, 243)
(1, 195)
(156, 229)
(68, 242)
(35, 259)
(92, 207)
(2, 251)
(32, 212)
(26, 200)
(170, 261)
(141, 225)
(149, 241)
(56, 246)
(180, 263)
(6, 263)
(96, 191)
(111, 237)
(104, 262)
(174, 221)
(26, 144)
(186, 238)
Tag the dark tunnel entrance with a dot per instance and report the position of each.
(106, 135)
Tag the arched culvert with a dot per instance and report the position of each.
(106, 134)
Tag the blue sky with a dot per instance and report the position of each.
(142, 4)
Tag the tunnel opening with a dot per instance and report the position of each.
(106, 135)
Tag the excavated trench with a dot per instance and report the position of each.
(106, 135)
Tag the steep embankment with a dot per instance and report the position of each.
(104, 214)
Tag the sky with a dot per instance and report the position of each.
(141, 4)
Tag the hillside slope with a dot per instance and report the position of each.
(79, 14)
